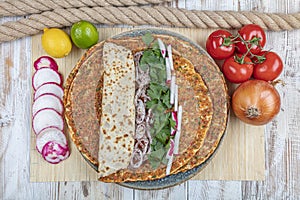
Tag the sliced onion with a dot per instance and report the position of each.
(140, 131)
(142, 144)
(137, 158)
(140, 111)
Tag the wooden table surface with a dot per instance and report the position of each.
(282, 135)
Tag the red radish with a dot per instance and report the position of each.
(53, 152)
(47, 101)
(50, 134)
(162, 47)
(178, 132)
(45, 61)
(45, 75)
(170, 57)
(171, 149)
(47, 117)
(49, 88)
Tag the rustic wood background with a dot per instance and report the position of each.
(282, 135)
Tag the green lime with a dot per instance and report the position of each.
(84, 34)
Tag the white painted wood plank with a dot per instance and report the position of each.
(178, 192)
(210, 190)
(282, 146)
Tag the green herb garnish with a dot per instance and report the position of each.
(159, 93)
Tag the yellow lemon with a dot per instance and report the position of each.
(56, 42)
(84, 34)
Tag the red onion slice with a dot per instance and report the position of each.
(137, 158)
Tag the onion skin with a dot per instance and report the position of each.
(256, 102)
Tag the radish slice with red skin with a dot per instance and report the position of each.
(178, 132)
(47, 117)
(50, 134)
(45, 61)
(170, 57)
(54, 152)
(49, 88)
(169, 165)
(45, 75)
(162, 47)
(47, 101)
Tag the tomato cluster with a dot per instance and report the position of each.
(244, 55)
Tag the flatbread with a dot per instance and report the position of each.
(197, 115)
(217, 89)
(117, 125)
(80, 103)
(87, 141)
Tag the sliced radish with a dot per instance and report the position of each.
(50, 134)
(45, 75)
(172, 89)
(47, 101)
(45, 61)
(169, 165)
(178, 132)
(49, 88)
(170, 57)
(168, 71)
(162, 47)
(176, 98)
(47, 117)
(171, 149)
(54, 152)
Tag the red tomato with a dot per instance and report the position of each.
(253, 37)
(268, 69)
(219, 44)
(236, 69)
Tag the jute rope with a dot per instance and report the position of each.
(26, 7)
(156, 16)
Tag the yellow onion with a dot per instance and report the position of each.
(256, 102)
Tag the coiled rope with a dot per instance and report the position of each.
(146, 15)
(27, 7)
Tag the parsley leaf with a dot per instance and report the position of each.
(147, 38)
(159, 102)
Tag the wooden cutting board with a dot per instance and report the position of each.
(240, 156)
